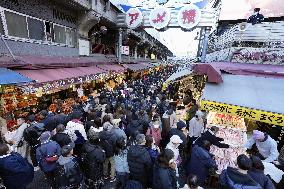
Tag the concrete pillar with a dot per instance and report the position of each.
(135, 52)
(205, 44)
(119, 45)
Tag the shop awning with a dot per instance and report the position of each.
(53, 62)
(135, 67)
(111, 67)
(249, 92)
(179, 74)
(47, 75)
(213, 70)
(8, 77)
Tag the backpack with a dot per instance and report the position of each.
(68, 175)
(32, 133)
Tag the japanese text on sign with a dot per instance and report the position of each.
(160, 17)
(189, 16)
(267, 117)
(134, 18)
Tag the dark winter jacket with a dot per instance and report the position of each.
(164, 178)
(15, 171)
(255, 19)
(133, 127)
(92, 158)
(62, 139)
(231, 178)
(68, 173)
(200, 163)
(153, 154)
(211, 138)
(107, 143)
(140, 164)
(48, 149)
(261, 178)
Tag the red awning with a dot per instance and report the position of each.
(111, 67)
(214, 75)
(47, 75)
(47, 62)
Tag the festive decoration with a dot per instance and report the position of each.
(134, 18)
(189, 16)
(160, 17)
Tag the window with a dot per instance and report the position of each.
(24, 26)
(1, 27)
(70, 37)
(36, 29)
(16, 24)
(59, 34)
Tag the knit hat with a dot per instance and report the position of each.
(176, 139)
(65, 150)
(45, 136)
(140, 138)
(181, 125)
(258, 135)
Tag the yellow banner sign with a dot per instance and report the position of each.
(258, 115)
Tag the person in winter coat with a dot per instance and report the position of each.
(164, 175)
(267, 147)
(117, 132)
(92, 158)
(61, 137)
(192, 182)
(155, 131)
(173, 145)
(68, 173)
(196, 127)
(75, 129)
(201, 162)
(238, 178)
(15, 171)
(210, 135)
(152, 148)
(180, 131)
(17, 138)
(134, 126)
(257, 173)
(106, 137)
(139, 161)
(121, 164)
(47, 154)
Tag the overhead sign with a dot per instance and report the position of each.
(189, 16)
(133, 18)
(257, 115)
(160, 17)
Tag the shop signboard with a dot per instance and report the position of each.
(125, 50)
(252, 114)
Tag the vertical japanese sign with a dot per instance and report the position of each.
(160, 17)
(134, 18)
(258, 115)
(125, 50)
(189, 16)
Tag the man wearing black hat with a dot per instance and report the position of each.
(68, 173)
(256, 18)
